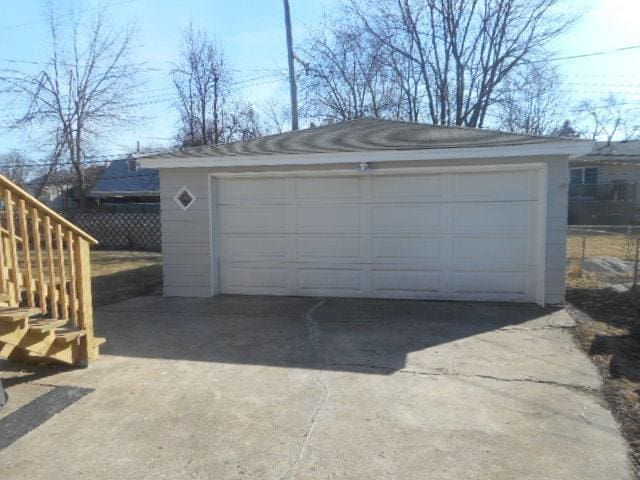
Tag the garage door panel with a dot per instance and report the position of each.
(406, 218)
(329, 219)
(271, 219)
(490, 282)
(254, 247)
(329, 280)
(494, 186)
(495, 217)
(241, 190)
(328, 247)
(407, 249)
(249, 278)
(390, 281)
(328, 188)
(476, 253)
(422, 187)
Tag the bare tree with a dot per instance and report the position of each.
(464, 49)
(530, 101)
(211, 111)
(242, 122)
(608, 118)
(84, 89)
(344, 74)
(13, 165)
(276, 116)
(566, 130)
(202, 85)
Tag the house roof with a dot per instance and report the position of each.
(66, 178)
(118, 180)
(624, 152)
(362, 135)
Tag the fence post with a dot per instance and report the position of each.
(583, 256)
(635, 263)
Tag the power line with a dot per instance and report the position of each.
(591, 54)
(164, 98)
(167, 69)
(43, 20)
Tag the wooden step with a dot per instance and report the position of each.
(16, 314)
(69, 334)
(43, 325)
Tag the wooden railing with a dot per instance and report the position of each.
(44, 262)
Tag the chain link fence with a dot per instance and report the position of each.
(121, 230)
(603, 256)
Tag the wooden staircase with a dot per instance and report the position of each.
(46, 310)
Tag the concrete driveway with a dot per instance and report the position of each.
(277, 388)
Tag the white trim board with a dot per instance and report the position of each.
(381, 171)
(183, 160)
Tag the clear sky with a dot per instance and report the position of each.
(252, 35)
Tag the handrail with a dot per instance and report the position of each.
(8, 184)
(45, 269)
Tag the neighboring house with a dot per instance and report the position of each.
(369, 208)
(55, 195)
(124, 182)
(605, 185)
(58, 190)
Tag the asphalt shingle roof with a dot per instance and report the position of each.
(118, 179)
(361, 135)
(615, 152)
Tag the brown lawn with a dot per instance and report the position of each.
(119, 275)
(608, 329)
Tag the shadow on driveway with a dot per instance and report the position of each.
(335, 334)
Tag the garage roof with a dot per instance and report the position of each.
(363, 135)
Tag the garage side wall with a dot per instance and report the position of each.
(556, 247)
(186, 245)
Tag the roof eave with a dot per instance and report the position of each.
(569, 148)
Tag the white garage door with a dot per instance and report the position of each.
(461, 235)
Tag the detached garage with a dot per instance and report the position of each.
(369, 208)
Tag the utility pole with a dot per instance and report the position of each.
(292, 73)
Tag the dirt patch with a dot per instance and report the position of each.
(118, 275)
(608, 329)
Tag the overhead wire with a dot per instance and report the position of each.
(43, 20)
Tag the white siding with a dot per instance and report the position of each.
(556, 247)
(186, 235)
(188, 263)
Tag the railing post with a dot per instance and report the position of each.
(13, 248)
(85, 301)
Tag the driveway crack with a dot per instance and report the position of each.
(321, 364)
(446, 373)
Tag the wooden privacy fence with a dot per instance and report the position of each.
(121, 230)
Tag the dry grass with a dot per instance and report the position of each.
(608, 329)
(597, 245)
(601, 245)
(119, 275)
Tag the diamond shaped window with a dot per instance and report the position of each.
(184, 198)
